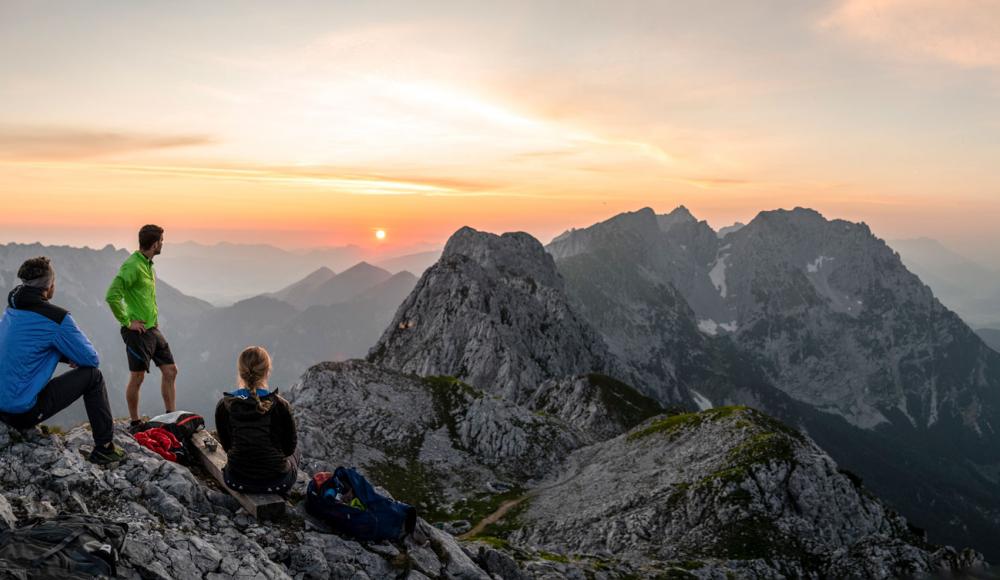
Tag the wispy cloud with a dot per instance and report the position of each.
(713, 182)
(961, 32)
(34, 143)
(340, 180)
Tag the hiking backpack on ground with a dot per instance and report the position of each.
(68, 547)
(350, 505)
(182, 425)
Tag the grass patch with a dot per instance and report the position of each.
(510, 522)
(52, 430)
(412, 483)
(758, 449)
(623, 402)
(675, 574)
(494, 542)
(674, 423)
(553, 557)
(690, 564)
(449, 395)
(756, 537)
(667, 425)
(477, 508)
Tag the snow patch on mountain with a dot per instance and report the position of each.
(703, 402)
(708, 326)
(718, 274)
(933, 415)
(816, 264)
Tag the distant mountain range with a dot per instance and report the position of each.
(818, 323)
(991, 336)
(254, 269)
(966, 286)
(336, 321)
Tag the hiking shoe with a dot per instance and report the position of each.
(106, 456)
(136, 426)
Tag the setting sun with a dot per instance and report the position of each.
(380, 234)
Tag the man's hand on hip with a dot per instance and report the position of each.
(138, 325)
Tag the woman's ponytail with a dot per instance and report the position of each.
(253, 368)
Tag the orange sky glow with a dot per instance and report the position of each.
(317, 123)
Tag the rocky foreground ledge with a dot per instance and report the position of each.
(724, 493)
(182, 527)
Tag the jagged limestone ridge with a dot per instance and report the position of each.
(731, 489)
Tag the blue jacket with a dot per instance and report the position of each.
(35, 336)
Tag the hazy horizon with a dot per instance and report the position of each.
(388, 251)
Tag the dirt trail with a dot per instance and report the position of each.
(577, 461)
(493, 517)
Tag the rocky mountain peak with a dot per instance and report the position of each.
(512, 254)
(725, 231)
(493, 313)
(679, 215)
(364, 270)
(836, 332)
(798, 213)
(633, 229)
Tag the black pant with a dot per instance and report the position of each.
(279, 485)
(60, 393)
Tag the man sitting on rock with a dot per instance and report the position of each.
(35, 336)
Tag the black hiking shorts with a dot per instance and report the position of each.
(142, 347)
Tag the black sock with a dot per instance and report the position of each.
(136, 422)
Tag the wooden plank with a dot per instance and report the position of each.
(260, 506)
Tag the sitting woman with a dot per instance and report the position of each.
(257, 430)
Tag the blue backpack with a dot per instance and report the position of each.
(350, 505)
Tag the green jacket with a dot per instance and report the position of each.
(132, 294)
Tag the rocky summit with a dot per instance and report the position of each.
(493, 313)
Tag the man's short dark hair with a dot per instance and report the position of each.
(149, 235)
(36, 272)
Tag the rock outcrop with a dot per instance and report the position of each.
(493, 313)
(596, 404)
(181, 526)
(437, 442)
(728, 490)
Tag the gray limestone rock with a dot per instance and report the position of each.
(432, 440)
(492, 312)
(176, 527)
(726, 487)
(817, 322)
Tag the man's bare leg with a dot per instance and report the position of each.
(132, 393)
(167, 387)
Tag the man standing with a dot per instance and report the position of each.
(132, 297)
(35, 336)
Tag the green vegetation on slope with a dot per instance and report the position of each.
(624, 403)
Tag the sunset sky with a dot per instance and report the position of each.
(317, 123)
